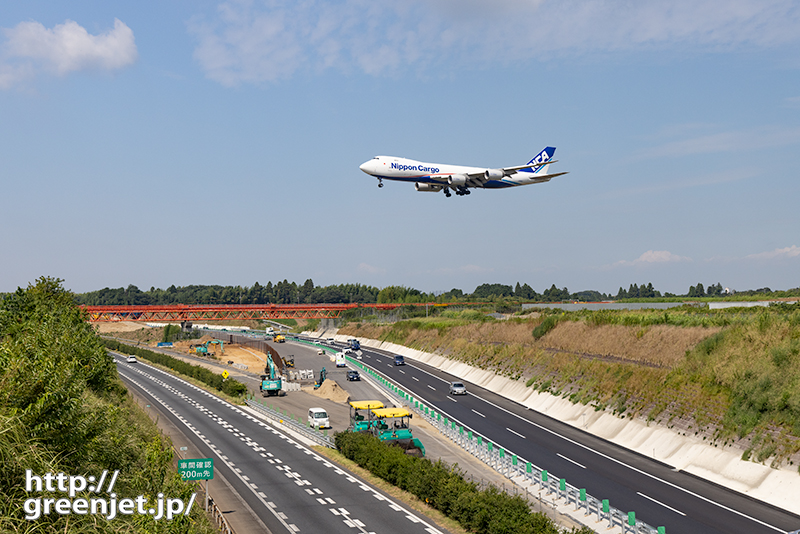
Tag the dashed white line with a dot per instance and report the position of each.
(479, 413)
(661, 503)
(415, 378)
(451, 398)
(515, 432)
(570, 460)
(430, 386)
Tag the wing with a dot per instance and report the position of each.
(478, 179)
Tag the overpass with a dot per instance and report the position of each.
(214, 312)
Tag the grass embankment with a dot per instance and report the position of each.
(729, 374)
(63, 409)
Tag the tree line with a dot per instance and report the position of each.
(286, 292)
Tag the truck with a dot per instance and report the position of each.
(279, 338)
(341, 360)
(271, 383)
(353, 344)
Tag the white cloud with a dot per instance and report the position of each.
(30, 48)
(369, 269)
(654, 256)
(251, 41)
(778, 253)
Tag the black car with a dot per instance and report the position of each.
(353, 375)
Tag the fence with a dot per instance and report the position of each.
(511, 465)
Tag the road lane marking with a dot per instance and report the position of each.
(570, 460)
(479, 413)
(515, 432)
(430, 386)
(402, 371)
(415, 378)
(451, 398)
(661, 503)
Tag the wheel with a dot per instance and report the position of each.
(380, 184)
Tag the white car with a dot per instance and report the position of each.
(131, 359)
(457, 388)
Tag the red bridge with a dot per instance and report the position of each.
(205, 312)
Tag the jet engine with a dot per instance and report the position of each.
(457, 180)
(419, 186)
(494, 174)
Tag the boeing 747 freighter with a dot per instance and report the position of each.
(437, 177)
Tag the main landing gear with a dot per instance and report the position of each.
(447, 192)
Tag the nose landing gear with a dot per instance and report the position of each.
(380, 182)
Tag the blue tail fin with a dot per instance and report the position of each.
(542, 157)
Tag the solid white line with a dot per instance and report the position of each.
(661, 503)
(515, 432)
(479, 413)
(570, 460)
(636, 469)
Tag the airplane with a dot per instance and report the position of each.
(435, 177)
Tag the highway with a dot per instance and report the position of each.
(290, 487)
(659, 495)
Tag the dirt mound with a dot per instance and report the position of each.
(330, 390)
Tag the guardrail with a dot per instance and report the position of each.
(288, 420)
(511, 465)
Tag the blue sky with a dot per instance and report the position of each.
(159, 143)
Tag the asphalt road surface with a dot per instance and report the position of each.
(289, 486)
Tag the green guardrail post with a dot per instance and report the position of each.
(606, 506)
(562, 484)
(489, 446)
(631, 519)
(469, 435)
(528, 467)
(513, 459)
(544, 475)
(502, 453)
(582, 495)
(662, 530)
(460, 430)
(480, 440)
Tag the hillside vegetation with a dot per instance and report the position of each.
(729, 375)
(64, 409)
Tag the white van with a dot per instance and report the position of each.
(341, 361)
(318, 418)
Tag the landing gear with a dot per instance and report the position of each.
(463, 191)
(447, 192)
(380, 182)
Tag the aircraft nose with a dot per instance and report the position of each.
(365, 167)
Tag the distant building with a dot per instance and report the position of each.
(728, 291)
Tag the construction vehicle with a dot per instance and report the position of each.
(392, 426)
(279, 338)
(202, 348)
(322, 375)
(360, 421)
(289, 361)
(271, 383)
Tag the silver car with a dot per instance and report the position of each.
(457, 388)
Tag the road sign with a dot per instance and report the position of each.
(196, 469)
(225, 374)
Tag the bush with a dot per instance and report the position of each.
(230, 386)
(444, 488)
